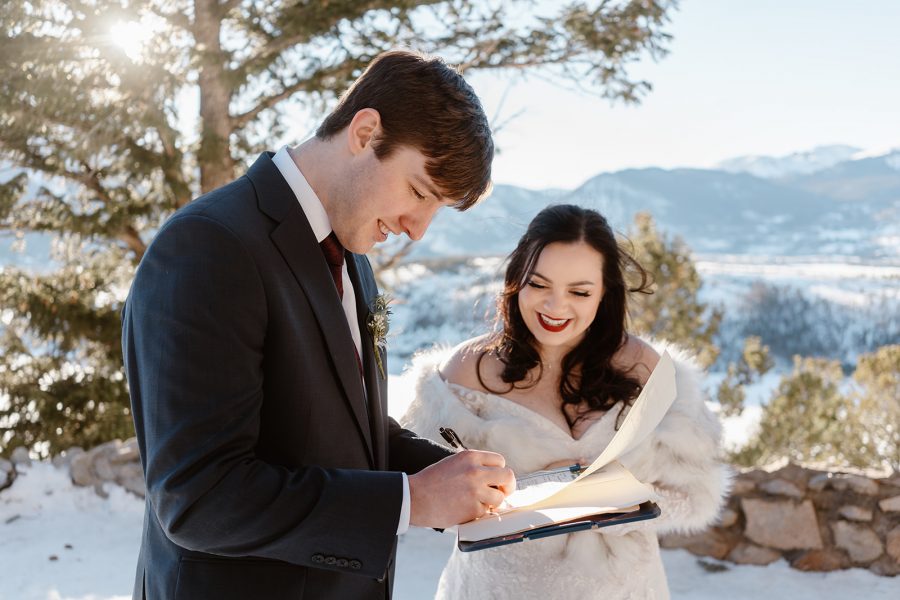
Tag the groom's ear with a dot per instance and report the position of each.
(363, 129)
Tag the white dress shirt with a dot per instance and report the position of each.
(321, 226)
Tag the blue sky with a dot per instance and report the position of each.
(743, 77)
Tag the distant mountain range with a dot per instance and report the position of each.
(829, 201)
(832, 201)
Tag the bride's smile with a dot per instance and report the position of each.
(560, 299)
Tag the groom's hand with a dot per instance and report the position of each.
(459, 488)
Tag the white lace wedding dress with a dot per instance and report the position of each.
(680, 459)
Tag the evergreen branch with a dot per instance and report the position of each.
(241, 120)
(314, 21)
(127, 234)
(227, 6)
(175, 18)
(268, 54)
(133, 240)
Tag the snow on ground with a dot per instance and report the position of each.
(60, 542)
(95, 543)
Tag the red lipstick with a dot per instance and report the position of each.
(552, 328)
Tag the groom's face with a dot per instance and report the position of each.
(375, 198)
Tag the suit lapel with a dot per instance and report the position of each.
(376, 385)
(296, 242)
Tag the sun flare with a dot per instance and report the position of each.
(131, 37)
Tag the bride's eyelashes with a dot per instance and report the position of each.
(539, 286)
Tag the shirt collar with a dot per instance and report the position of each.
(309, 202)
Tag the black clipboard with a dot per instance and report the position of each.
(647, 510)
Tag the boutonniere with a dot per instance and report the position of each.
(379, 315)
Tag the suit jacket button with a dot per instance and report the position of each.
(330, 560)
(355, 565)
(343, 562)
(318, 559)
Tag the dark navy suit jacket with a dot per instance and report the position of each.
(271, 473)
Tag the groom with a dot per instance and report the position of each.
(258, 389)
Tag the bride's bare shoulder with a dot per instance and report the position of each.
(637, 358)
(462, 366)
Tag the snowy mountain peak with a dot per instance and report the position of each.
(797, 163)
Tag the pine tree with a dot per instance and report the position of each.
(102, 150)
(877, 396)
(755, 362)
(673, 312)
(810, 420)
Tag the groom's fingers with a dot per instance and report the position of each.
(458, 488)
(488, 459)
(502, 479)
(492, 497)
(495, 471)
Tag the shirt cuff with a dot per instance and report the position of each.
(403, 525)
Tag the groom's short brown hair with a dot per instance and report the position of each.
(425, 104)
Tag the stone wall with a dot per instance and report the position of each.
(113, 462)
(816, 520)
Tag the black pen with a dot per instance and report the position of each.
(452, 439)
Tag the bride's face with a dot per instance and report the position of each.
(560, 299)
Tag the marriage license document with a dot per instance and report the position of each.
(605, 487)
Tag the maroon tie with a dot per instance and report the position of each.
(334, 256)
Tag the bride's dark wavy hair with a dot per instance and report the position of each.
(588, 372)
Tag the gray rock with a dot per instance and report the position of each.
(860, 542)
(742, 487)
(127, 452)
(64, 459)
(890, 504)
(795, 474)
(113, 462)
(20, 457)
(131, 477)
(711, 542)
(751, 554)
(892, 544)
(82, 472)
(819, 482)
(782, 524)
(857, 483)
(885, 566)
(855, 513)
(6, 479)
(781, 487)
(135, 485)
(101, 462)
(727, 518)
(827, 559)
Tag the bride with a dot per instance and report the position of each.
(550, 389)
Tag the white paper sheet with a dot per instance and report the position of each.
(645, 414)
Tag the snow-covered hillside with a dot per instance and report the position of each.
(810, 305)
